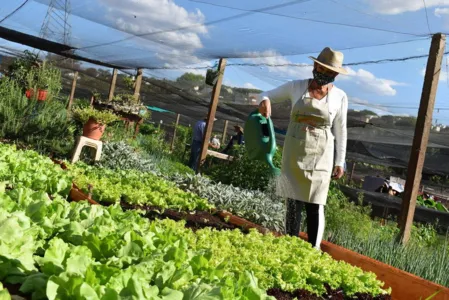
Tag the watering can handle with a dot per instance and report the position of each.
(257, 113)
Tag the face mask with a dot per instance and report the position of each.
(322, 79)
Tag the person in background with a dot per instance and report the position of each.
(199, 130)
(215, 143)
(237, 138)
(318, 115)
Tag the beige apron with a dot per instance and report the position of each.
(308, 152)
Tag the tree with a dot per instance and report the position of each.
(191, 77)
(91, 72)
(246, 90)
(388, 120)
(367, 112)
(406, 122)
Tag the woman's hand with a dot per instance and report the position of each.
(265, 108)
(338, 172)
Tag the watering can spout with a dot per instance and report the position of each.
(260, 139)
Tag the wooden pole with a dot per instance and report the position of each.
(174, 132)
(352, 171)
(225, 129)
(211, 114)
(72, 92)
(421, 138)
(138, 83)
(112, 86)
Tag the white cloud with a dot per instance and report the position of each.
(394, 7)
(443, 74)
(370, 83)
(271, 57)
(246, 85)
(365, 104)
(249, 85)
(439, 12)
(142, 17)
(365, 80)
(443, 13)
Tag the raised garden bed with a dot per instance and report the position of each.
(193, 219)
(223, 220)
(404, 285)
(112, 231)
(331, 294)
(384, 206)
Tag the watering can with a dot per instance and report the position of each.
(260, 139)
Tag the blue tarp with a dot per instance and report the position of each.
(158, 109)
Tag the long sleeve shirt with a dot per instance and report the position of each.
(338, 108)
(198, 131)
(236, 138)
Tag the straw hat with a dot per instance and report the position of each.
(239, 127)
(205, 119)
(333, 60)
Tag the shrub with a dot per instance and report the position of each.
(244, 172)
(103, 117)
(45, 124)
(258, 207)
(120, 156)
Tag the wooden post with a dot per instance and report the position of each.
(352, 171)
(225, 129)
(112, 86)
(421, 138)
(92, 99)
(72, 93)
(211, 114)
(138, 83)
(174, 132)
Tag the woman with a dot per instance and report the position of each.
(318, 117)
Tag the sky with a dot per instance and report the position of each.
(181, 34)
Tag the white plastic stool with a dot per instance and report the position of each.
(84, 141)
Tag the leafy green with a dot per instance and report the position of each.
(62, 250)
(93, 252)
(135, 188)
(4, 294)
(29, 169)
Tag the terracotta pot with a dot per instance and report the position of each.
(29, 93)
(93, 130)
(41, 94)
(241, 222)
(77, 195)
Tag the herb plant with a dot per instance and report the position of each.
(102, 117)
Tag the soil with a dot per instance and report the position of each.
(330, 294)
(13, 290)
(194, 219)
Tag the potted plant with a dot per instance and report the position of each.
(41, 94)
(94, 121)
(40, 80)
(212, 76)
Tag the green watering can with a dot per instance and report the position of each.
(260, 140)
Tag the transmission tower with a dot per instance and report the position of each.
(56, 25)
